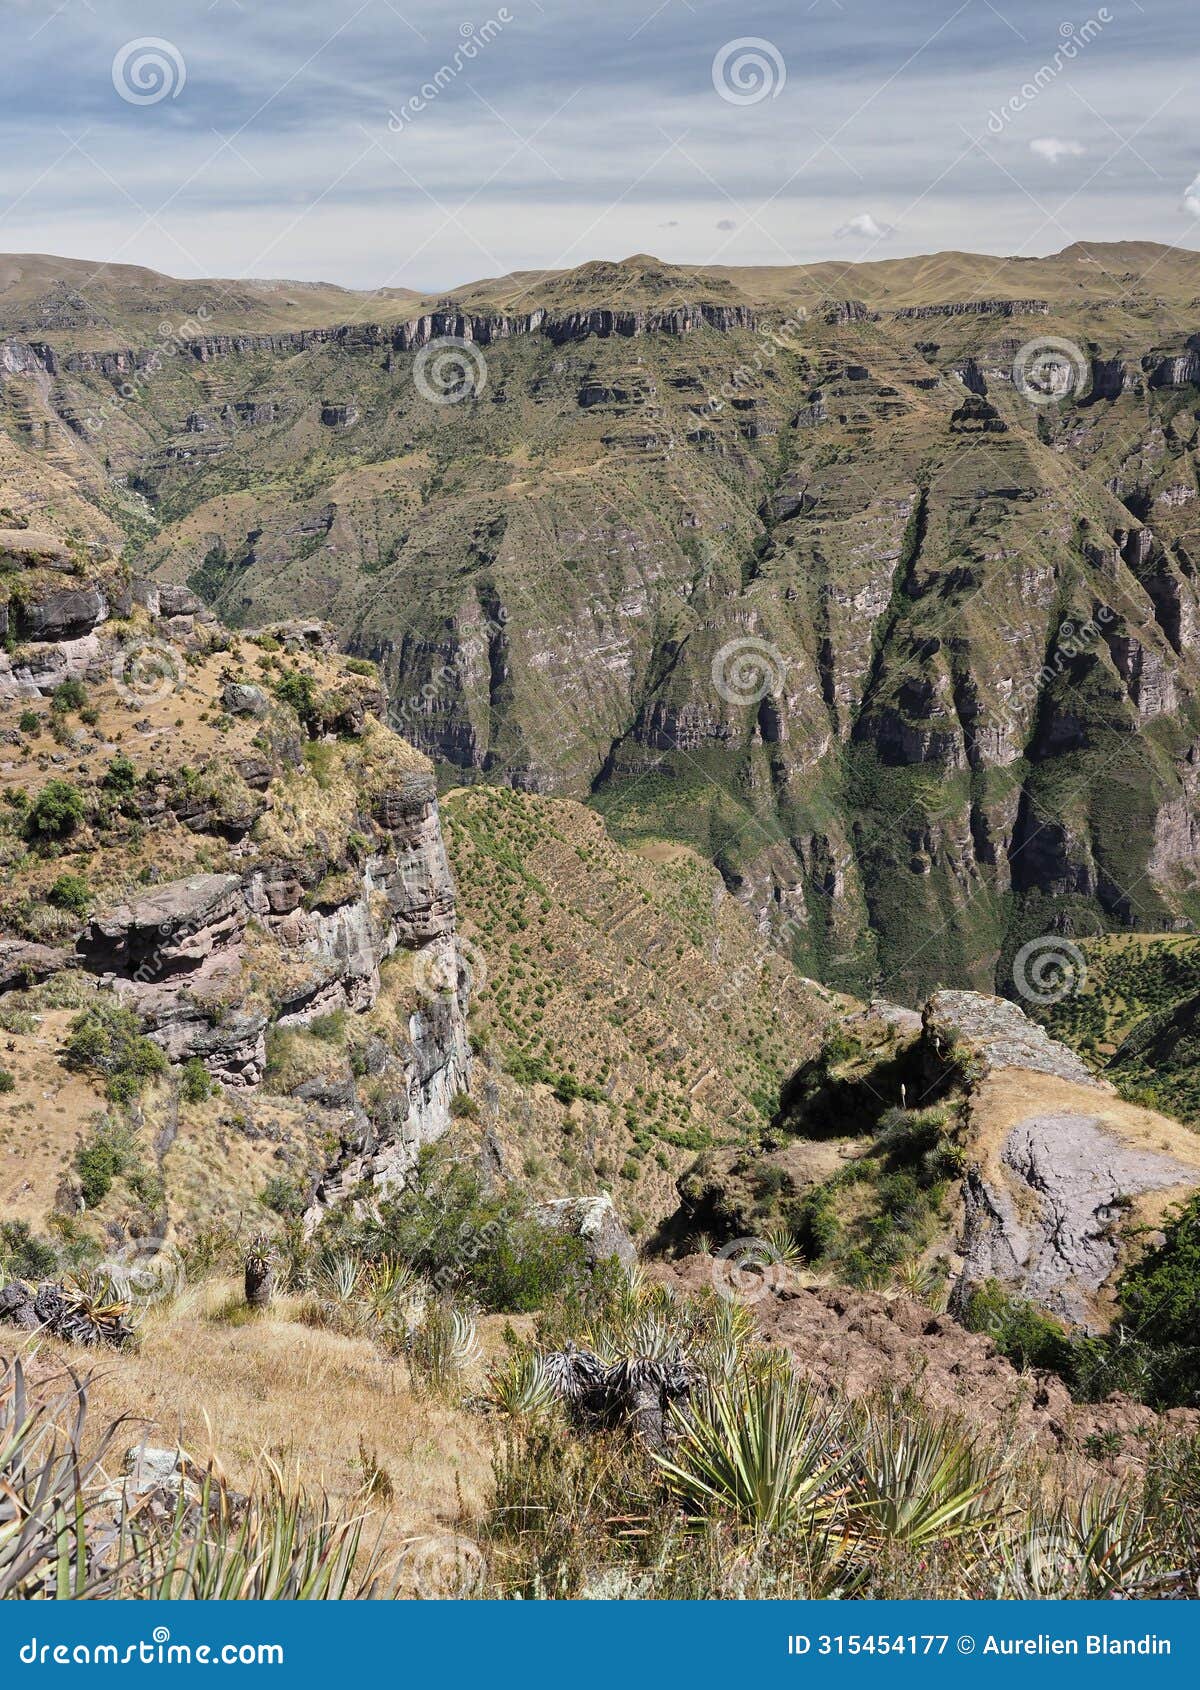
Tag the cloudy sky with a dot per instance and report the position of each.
(421, 144)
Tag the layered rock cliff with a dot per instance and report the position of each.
(223, 838)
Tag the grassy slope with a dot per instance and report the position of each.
(631, 974)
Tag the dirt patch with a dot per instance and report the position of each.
(864, 1342)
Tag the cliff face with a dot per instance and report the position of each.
(252, 862)
(816, 588)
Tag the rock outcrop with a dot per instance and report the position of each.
(303, 885)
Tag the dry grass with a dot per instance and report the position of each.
(238, 1391)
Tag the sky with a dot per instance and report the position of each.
(414, 143)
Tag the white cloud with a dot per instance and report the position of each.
(865, 227)
(1191, 198)
(1052, 149)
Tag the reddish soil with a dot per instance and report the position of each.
(864, 1342)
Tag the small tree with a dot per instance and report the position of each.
(56, 811)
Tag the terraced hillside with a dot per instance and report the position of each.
(627, 1013)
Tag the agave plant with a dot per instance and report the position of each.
(44, 1480)
(920, 1479)
(441, 1347)
(521, 1388)
(91, 1309)
(281, 1545)
(1098, 1545)
(765, 1450)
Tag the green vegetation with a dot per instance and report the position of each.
(56, 812)
(71, 892)
(107, 1039)
(446, 1228)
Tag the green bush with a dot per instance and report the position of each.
(465, 1240)
(1019, 1331)
(195, 1082)
(110, 1152)
(120, 777)
(300, 691)
(72, 893)
(71, 695)
(29, 721)
(107, 1039)
(23, 1255)
(7, 1083)
(283, 1196)
(56, 812)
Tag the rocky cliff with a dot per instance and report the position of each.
(819, 579)
(222, 838)
(965, 1147)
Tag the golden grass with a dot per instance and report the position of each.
(311, 1401)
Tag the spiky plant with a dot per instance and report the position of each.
(92, 1310)
(44, 1483)
(921, 1479)
(441, 1348)
(521, 1387)
(283, 1545)
(1094, 1546)
(260, 1272)
(763, 1449)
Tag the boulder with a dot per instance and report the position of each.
(171, 930)
(595, 1221)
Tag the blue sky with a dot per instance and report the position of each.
(292, 138)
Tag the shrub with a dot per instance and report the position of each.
(7, 1083)
(29, 721)
(23, 1254)
(56, 812)
(72, 893)
(465, 1240)
(107, 1039)
(282, 1196)
(1019, 1331)
(121, 776)
(195, 1081)
(300, 692)
(71, 695)
(110, 1152)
